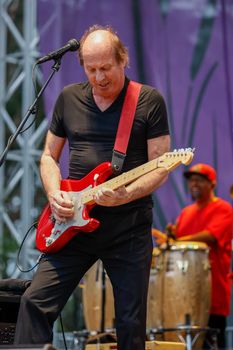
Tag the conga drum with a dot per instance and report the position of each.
(155, 291)
(186, 285)
(92, 293)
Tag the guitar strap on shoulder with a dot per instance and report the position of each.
(125, 125)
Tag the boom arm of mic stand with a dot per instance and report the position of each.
(30, 111)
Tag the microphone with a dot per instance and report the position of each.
(72, 45)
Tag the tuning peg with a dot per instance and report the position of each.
(189, 149)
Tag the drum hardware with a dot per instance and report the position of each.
(84, 337)
(155, 334)
(183, 265)
(189, 330)
(103, 338)
(103, 304)
(80, 339)
(103, 295)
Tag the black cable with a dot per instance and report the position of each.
(38, 260)
(63, 333)
(20, 248)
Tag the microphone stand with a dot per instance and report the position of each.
(30, 111)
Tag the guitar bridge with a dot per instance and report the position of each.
(48, 241)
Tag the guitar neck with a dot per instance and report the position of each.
(128, 177)
(121, 180)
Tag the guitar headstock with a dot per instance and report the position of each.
(170, 160)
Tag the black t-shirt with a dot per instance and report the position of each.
(91, 133)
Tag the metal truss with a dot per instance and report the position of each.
(21, 192)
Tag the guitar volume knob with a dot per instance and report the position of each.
(49, 241)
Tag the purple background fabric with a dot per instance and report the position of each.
(183, 48)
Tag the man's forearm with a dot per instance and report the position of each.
(146, 184)
(203, 236)
(50, 174)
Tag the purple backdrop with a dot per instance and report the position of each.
(180, 47)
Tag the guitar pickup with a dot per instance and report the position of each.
(49, 241)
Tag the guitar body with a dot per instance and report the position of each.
(51, 236)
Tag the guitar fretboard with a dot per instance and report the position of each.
(121, 180)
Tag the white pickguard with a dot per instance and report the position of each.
(77, 219)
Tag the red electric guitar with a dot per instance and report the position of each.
(52, 236)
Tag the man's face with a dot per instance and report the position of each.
(104, 73)
(200, 188)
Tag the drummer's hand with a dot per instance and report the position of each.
(159, 236)
(171, 228)
(61, 205)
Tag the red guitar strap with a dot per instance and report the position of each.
(125, 125)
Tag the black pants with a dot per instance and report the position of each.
(123, 243)
(216, 322)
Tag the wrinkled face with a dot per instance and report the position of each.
(199, 187)
(104, 73)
